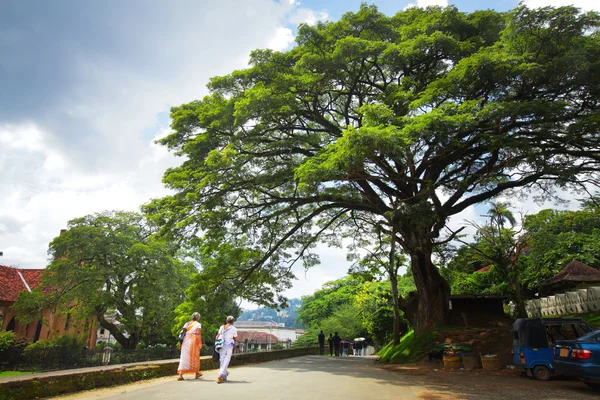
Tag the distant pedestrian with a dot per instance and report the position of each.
(321, 343)
(337, 340)
(330, 342)
(346, 345)
(228, 335)
(364, 347)
(189, 361)
(358, 346)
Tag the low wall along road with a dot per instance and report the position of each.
(26, 387)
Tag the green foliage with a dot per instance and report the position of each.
(64, 342)
(371, 116)
(410, 350)
(7, 340)
(376, 309)
(325, 302)
(109, 263)
(309, 339)
(558, 237)
(492, 282)
(346, 321)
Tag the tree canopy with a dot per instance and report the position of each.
(409, 119)
(108, 264)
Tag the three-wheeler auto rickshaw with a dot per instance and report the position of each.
(533, 340)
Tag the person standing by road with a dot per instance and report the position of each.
(189, 361)
(330, 342)
(228, 334)
(336, 344)
(358, 347)
(321, 343)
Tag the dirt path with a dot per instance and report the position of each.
(493, 385)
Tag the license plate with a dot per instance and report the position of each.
(564, 352)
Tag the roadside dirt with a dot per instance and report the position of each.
(441, 384)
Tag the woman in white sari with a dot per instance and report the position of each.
(190, 348)
(228, 333)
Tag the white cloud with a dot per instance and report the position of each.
(283, 38)
(427, 3)
(307, 16)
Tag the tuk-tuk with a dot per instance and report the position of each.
(533, 340)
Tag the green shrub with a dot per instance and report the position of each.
(7, 340)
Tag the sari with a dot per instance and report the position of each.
(190, 349)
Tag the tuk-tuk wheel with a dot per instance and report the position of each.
(541, 373)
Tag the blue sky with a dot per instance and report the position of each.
(85, 88)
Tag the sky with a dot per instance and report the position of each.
(86, 87)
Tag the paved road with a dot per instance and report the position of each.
(309, 377)
(331, 378)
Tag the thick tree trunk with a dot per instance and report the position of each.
(428, 308)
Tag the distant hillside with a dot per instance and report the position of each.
(287, 315)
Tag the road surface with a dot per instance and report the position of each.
(331, 378)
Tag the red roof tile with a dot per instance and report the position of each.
(11, 283)
(485, 269)
(256, 337)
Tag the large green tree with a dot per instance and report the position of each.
(559, 236)
(410, 119)
(108, 264)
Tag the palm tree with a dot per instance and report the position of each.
(499, 213)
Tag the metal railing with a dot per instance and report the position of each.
(67, 358)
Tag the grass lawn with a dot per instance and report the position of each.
(13, 373)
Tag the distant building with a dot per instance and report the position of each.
(14, 281)
(256, 340)
(576, 275)
(285, 336)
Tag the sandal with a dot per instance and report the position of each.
(199, 375)
(180, 378)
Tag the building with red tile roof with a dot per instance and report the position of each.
(13, 281)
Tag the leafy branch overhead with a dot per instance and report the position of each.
(417, 116)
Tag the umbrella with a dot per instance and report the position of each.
(359, 339)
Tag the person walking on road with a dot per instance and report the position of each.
(336, 344)
(321, 343)
(189, 361)
(330, 341)
(358, 347)
(228, 335)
